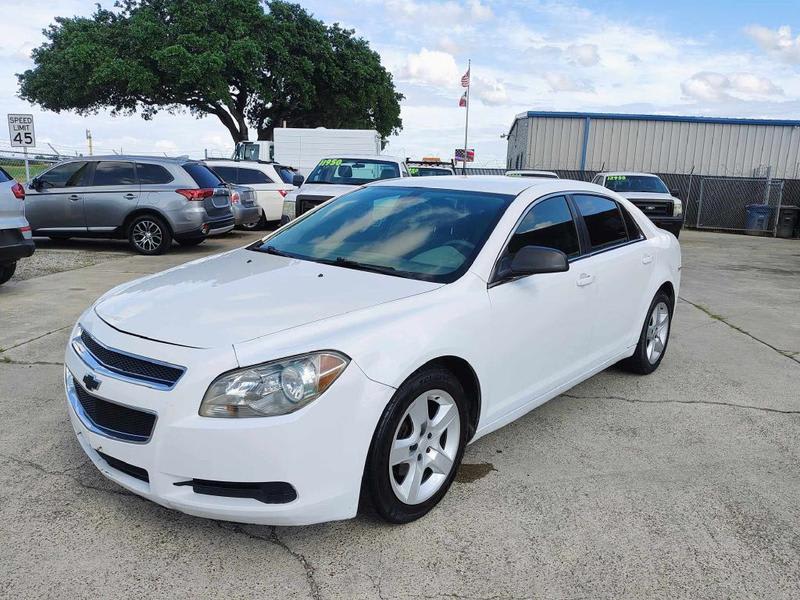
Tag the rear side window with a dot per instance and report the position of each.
(248, 176)
(4, 176)
(114, 173)
(548, 224)
(226, 173)
(66, 175)
(152, 174)
(286, 174)
(634, 233)
(202, 175)
(603, 220)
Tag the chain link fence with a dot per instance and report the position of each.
(13, 163)
(736, 204)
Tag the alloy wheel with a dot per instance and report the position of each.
(657, 332)
(424, 447)
(147, 235)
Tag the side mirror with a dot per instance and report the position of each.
(35, 184)
(676, 193)
(532, 260)
(298, 180)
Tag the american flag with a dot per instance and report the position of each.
(465, 79)
(463, 102)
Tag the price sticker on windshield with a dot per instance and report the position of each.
(330, 162)
(616, 178)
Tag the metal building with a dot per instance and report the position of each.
(578, 141)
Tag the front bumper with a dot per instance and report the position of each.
(16, 248)
(320, 450)
(671, 224)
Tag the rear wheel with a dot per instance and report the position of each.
(654, 337)
(59, 238)
(148, 234)
(255, 225)
(6, 272)
(417, 446)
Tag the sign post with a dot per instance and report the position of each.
(22, 135)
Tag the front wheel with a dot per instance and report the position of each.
(417, 446)
(7, 272)
(654, 337)
(148, 234)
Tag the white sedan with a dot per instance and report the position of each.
(368, 341)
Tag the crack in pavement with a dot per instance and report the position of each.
(38, 337)
(66, 473)
(707, 402)
(277, 541)
(10, 361)
(786, 354)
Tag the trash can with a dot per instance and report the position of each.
(757, 219)
(788, 222)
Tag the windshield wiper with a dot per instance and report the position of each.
(275, 251)
(341, 261)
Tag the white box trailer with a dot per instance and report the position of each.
(303, 148)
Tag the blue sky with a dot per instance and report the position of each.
(717, 58)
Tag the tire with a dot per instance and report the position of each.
(407, 424)
(7, 272)
(258, 225)
(189, 242)
(160, 236)
(655, 332)
(59, 238)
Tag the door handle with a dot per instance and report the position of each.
(74, 197)
(130, 196)
(647, 259)
(584, 279)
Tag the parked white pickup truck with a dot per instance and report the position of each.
(336, 175)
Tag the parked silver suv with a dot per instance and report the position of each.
(150, 201)
(15, 234)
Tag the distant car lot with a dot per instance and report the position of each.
(683, 484)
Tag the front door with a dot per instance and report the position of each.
(543, 323)
(54, 200)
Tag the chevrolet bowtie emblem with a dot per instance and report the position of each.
(91, 382)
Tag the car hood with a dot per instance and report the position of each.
(324, 189)
(242, 295)
(645, 196)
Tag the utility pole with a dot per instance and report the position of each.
(89, 140)
(466, 120)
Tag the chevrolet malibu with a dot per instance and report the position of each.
(351, 355)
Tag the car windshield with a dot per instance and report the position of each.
(418, 233)
(636, 183)
(428, 171)
(352, 171)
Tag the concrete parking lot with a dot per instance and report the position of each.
(683, 484)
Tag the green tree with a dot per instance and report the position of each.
(228, 58)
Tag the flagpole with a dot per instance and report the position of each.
(466, 121)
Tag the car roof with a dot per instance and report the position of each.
(365, 157)
(172, 160)
(491, 184)
(628, 173)
(529, 171)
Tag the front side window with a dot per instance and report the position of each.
(351, 171)
(150, 174)
(418, 233)
(249, 176)
(227, 174)
(114, 173)
(636, 183)
(66, 175)
(549, 223)
(603, 220)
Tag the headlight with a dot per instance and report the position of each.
(275, 388)
(677, 207)
(289, 205)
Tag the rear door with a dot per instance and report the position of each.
(620, 264)
(113, 194)
(55, 204)
(268, 193)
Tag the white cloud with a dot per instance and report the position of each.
(560, 82)
(585, 55)
(778, 42)
(479, 11)
(431, 67)
(714, 87)
(490, 91)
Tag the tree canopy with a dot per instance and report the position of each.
(228, 58)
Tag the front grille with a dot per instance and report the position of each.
(115, 420)
(654, 209)
(129, 469)
(268, 492)
(131, 366)
(306, 203)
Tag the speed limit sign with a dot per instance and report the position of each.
(20, 130)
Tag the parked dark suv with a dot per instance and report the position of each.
(150, 201)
